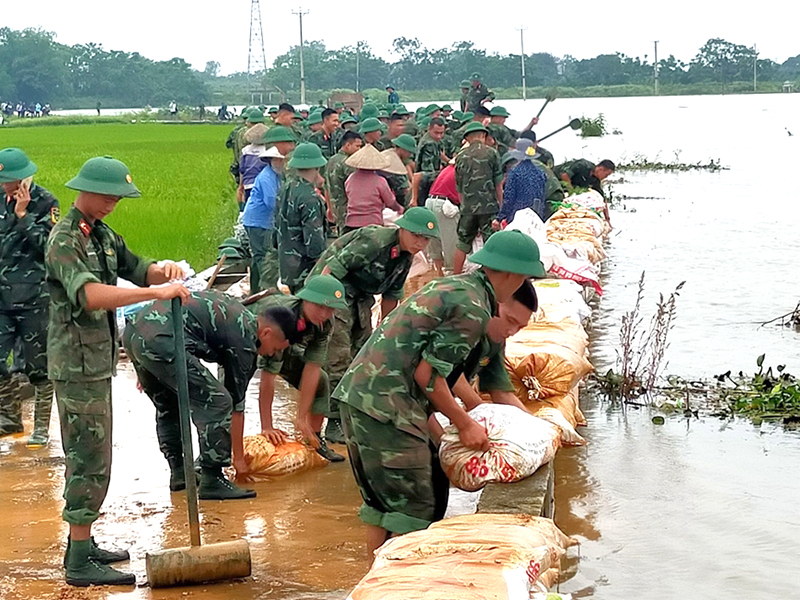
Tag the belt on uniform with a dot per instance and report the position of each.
(442, 198)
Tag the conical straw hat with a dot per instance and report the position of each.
(396, 166)
(368, 158)
(256, 132)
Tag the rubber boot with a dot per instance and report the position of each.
(83, 570)
(325, 452)
(43, 405)
(99, 554)
(333, 431)
(10, 406)
(177, 476)
(215, 486)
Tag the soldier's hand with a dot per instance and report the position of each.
(495, 225)
(473, 435)
(23, 198)
(174, 290)
(309, 435)
(275, 436)
(172, 272)
(242, 465)
(330, 217)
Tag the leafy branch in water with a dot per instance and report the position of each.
(763, 395)
(593, 127)
(642, 163)
(642, 350)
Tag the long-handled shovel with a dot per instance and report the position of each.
(574, 124)
(196, 563)
(550, 97)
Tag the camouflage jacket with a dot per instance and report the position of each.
(217, 329)
(553, 190)
(22, 244)
(506, 138)
(302, 230)
(440, 324)
(488, 362)
(82, 344)
(580, 173)
(478, 172)
(429, 155)
(336, 173)
(464, 101)
(476, 96)
(368, 261)
(329, 144)
(313, 344)
(411, 128)
(544, 156)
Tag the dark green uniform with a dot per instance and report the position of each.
(217, 329)
(476, 96)
(312, 348)
(385, 413)
(410, 127)
(505, 137)
(24, 303)
(232, 143)
(429, 163)
(82, 351)
(329, 144)
(486, 360)
(368, 262)
(553, 190)
(544, 156)
(580, 173)
(302, 230)
(478, 171)
(336, 173)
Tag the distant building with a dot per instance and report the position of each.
(788, 86)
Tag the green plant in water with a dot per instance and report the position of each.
(593, 127)
(766, 394)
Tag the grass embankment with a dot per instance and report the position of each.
(188, 203)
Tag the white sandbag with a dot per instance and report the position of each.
(576, 270)
(561, 299)
(519, 443)
(529, 223)
(589, 199)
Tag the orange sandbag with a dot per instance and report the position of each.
(555, 369)
(566, 333)
(268, 461)
(567, 405)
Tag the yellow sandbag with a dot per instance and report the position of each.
(268, 461)
(574, 212)
(555, 368)
(565, 333)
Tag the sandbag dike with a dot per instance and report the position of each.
(511, 549)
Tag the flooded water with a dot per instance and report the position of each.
(690, 508)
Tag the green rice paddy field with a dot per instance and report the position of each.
(188, 203)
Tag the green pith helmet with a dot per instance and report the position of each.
(262, 107)
(431, 108)
(457, 115)
(279, 133)
(465, 83)
(475, 76)
(338, 105)
(447, 108)
(510, 252)
(315, 118)
(15, 165)
(255, 116)
(107, 176)
(473, 127)
(325, 290)
(369, 125)
(346, 118)
(368, 111)
(245, 112)
(498, 111)
(401, 110)
(419, 220)
(297, 116)
(383, 114)
(307, 156)
(273, 110)
(424, 122)
(406, 142)
(467, 116)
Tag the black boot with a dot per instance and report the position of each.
(325, 452)
(177, 476)
(333, 431)
(83, 570)
(215, 486)
(99, 554)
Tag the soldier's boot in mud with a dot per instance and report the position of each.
(10, 406)
(177, 476)
(325, 452)
(42, 407)
(215, 486)
(99, 554)
(83, 570)
(333, 431)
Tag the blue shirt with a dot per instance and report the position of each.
(260, 208)
(524, 188)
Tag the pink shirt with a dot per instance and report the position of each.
(367, 194)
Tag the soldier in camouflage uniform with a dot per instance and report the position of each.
(217, 329)
(372, 131)
(429, 160)
(301, 365)
(479, 177)
(465, 85)
(405, 147)
(83, 258)
(232, 141)
(504, 136)
(336, 173)
(29, 215)
(302, 225)
(398, 380)
(329, 137)
(479, 94)
(253, 117)
(369, 261)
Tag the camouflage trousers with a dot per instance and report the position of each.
(469, 226)
(84, 409)
(352, 327)
(339, 210)
(292, 372)
(264, 269)
(23, 332)
(399, 475)
(210, 403)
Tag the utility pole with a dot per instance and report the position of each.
(755, 68)
(522, 57)
(358, 59)
(655, 68)
(256, 59)
(299, 12)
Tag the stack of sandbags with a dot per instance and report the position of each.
(474, 557)
(267, 461)
(579, 231)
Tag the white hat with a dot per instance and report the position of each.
(368, 158)
(271, 152)
(396, 166)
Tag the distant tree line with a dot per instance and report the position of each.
(36, 68)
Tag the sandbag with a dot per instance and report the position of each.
(268, 461)
(518, 445)
(569, 436)
(474, 557)
(565, 333)
(555, 368)
(567, 405)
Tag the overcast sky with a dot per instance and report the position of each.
(200, 31)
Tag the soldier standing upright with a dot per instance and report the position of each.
(478, 94)
(29, 215)
(83, 258)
